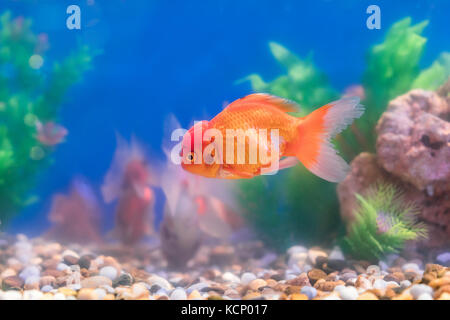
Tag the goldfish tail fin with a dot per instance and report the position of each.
(314, 147)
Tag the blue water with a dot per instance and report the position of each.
(183, 57)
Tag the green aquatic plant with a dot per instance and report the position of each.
(303, 82)
(28, 95)
(434, 76)
(306, 206)
(383, 222)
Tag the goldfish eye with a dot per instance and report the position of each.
(191, 157)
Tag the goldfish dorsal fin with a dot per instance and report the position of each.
(282, 104)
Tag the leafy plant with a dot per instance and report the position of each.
(28, 94)
(383, 223)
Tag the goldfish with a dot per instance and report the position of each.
(129, 180)
(209, 148)
(76, 216)
(50, 133)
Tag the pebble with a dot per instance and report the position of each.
(160, 281)
(425, 296)
(230, 277)
(444, 259)
(95, 281)
(108, 272)
(336, 254)
(178, 294)
(256, 284)
(32, 280)
(311, 292)
(348, 293)
(314, 253)
(410, 267)
(296, 249)
(30, 271)
(373, 270)
(101, 293)
(87, 294)
(418, 289)
(405, 284)
(12, 282)
(379, 284)
(46, 288)
(62, 267)
(125, 279)
(197, 286)
(247, 277)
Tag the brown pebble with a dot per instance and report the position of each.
(436, 283)
(301, 280)
(396, 276)
(47, 281)
(70, 260)
(316, 274)
(12, 283)
(54, 273)
(441, 290)
(328, 285)
(292, 289)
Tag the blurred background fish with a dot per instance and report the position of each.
(128, 181)
(75, 216)
(197, 209)
(50, 133)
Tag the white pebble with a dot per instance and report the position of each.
(425, 296)
(29, 271)
(405, 284)
(70, 253)
(296, 249)
(101, 293)
(373, 270)
(108, 272)
(178, 294)
(410, 266)
(379, 284)
(247, 277)
(348, 293)
(336, 254)
(230, 277)
(418, 289)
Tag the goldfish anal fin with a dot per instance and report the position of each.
(269, 100)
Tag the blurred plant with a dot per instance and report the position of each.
(297, 203)
(383, 223)
(29, 96)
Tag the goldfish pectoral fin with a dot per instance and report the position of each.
(228, 172)
(287, 163)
